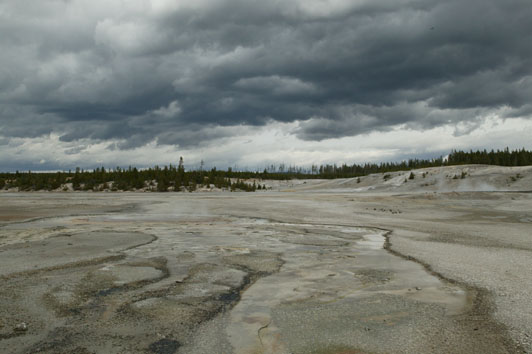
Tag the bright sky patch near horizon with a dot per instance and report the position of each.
(250, 83)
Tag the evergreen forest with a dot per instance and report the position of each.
(176, 178)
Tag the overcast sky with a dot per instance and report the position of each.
(250, 83)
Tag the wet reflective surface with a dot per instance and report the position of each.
(191, 275)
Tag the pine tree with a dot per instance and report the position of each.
(162, 186)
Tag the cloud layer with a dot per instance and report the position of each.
(189, 74)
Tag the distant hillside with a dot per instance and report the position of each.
(458, 178)
(177, 178)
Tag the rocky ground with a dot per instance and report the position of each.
(378, 265)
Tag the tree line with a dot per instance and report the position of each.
(500, 157)
(177, 178)
(157, 179)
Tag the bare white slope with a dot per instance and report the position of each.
(465, 178)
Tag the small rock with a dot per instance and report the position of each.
(331, 275)
(367, 329)
(21, 327)
(418, 288)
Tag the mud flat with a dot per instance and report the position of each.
(303, 271)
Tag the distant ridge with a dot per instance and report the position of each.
(177, 178)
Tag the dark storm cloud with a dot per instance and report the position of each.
(185, 74)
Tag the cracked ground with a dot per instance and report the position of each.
(294, 272)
